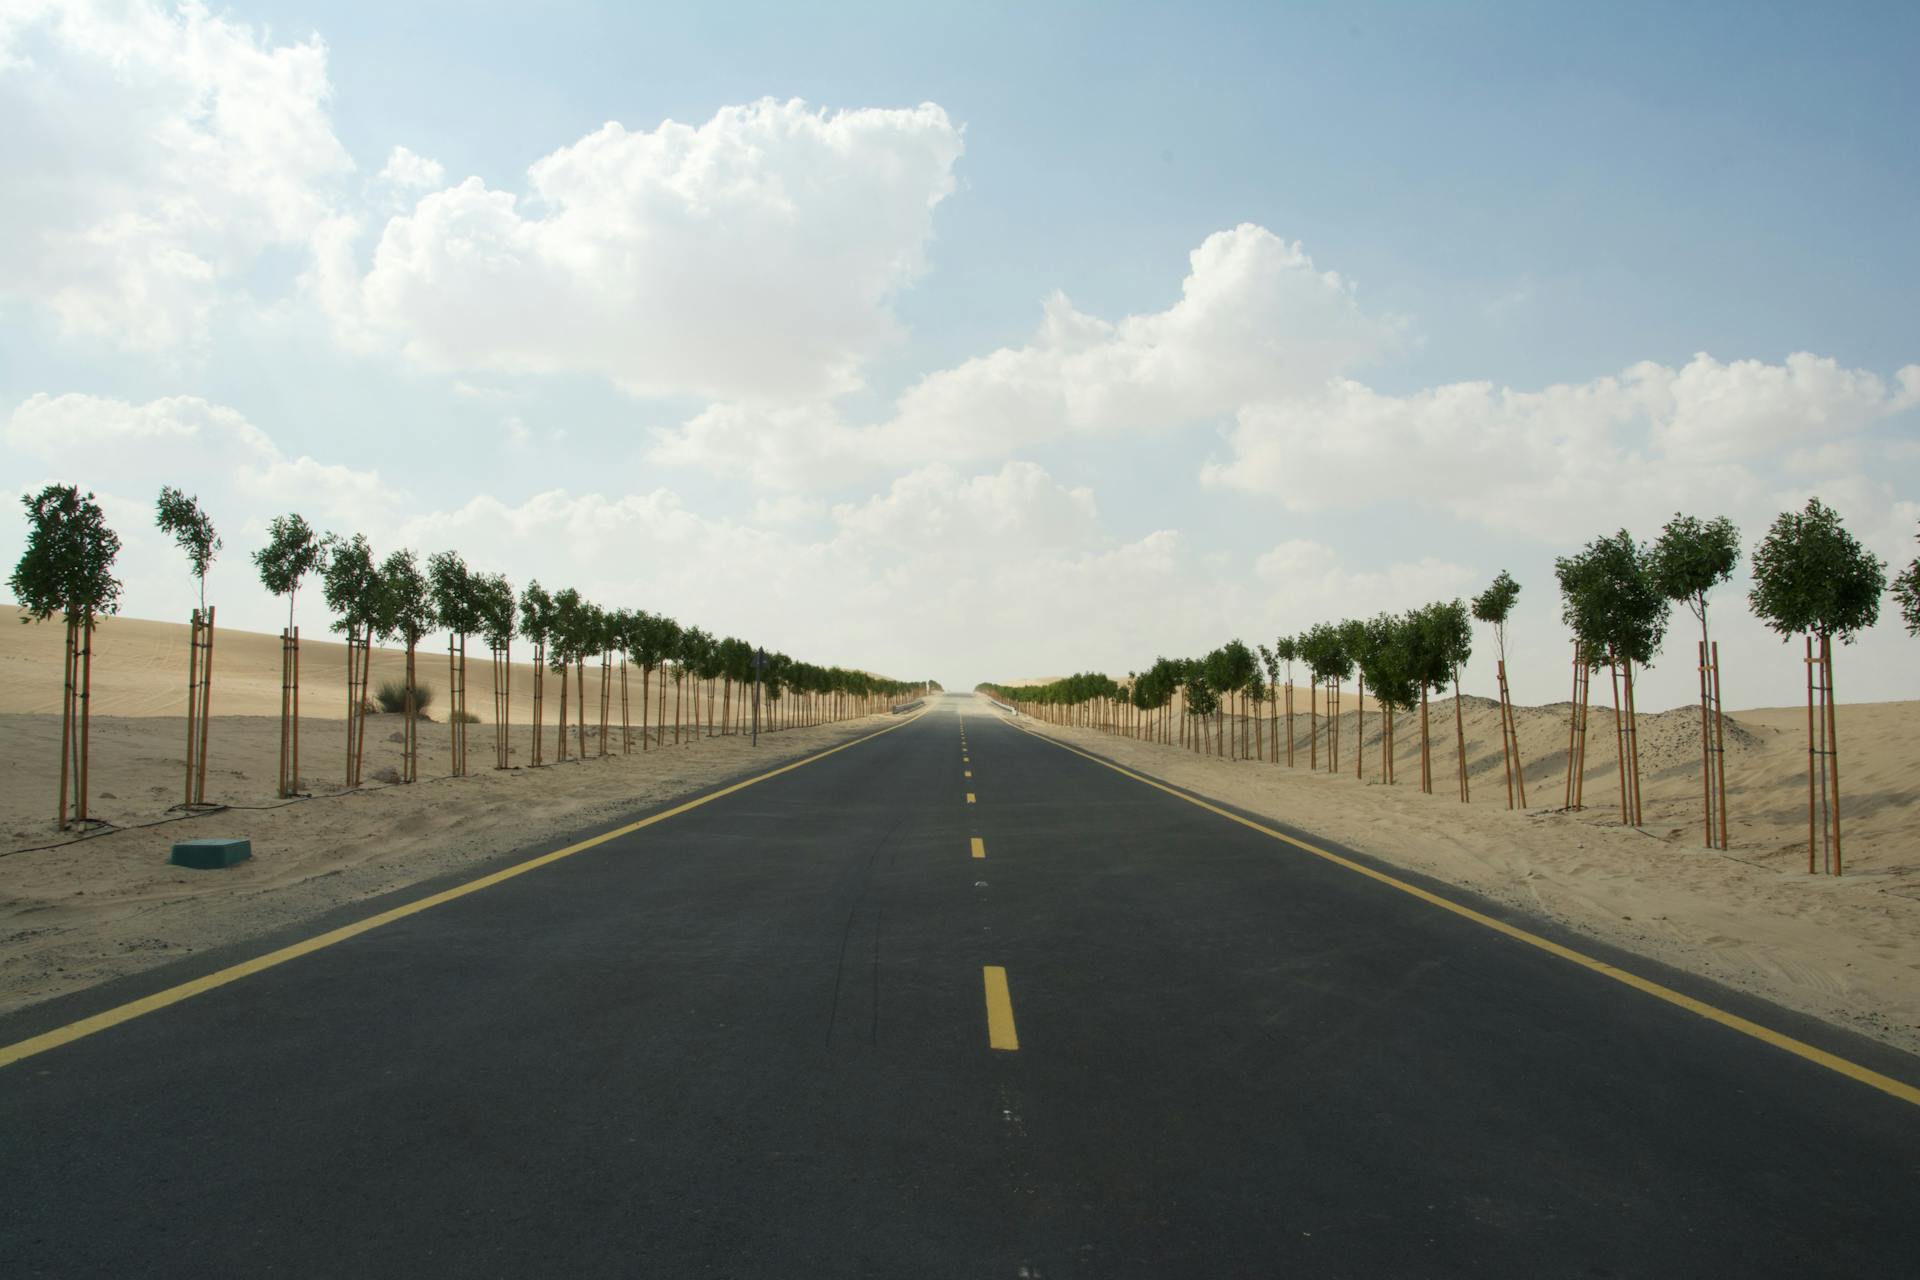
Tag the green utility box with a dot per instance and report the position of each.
(210, 855)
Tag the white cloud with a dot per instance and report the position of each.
(1311, 583)
(1256, 319)
(1565, 460)
(128, 451)
(152, 155)
(754, 256)
(406, 171)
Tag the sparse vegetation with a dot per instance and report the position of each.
(391, 696)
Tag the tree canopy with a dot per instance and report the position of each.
(1906, 589)
(67, 565)
(351, 584)
(1810, 575)
(192, 531)
(1691, 557)
(292, 552)
(1610, 602)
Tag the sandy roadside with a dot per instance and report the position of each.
(1845, 949)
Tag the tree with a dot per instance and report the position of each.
(1287, 651)
(495, 607)
(1906, 589)
(1690, 558)
(192, 531)
(1618, 616)
(536, 624)
(67, 567)
(405, 613)
(1323, 649)
(695, 647)
(292, 552)
(1385, 661)
(652, 642)
(457, 598)
(1495, 606)
(566, 641)
(1354, 638)
(1812, 577)
(1271, 662)
(351, 584)
(1442, 641)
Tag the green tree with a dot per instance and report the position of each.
(1691, 557)
(1618, 613)
(1812, 577)
(495, 608)
(405, 613)
(192, 531)
(351, 584)
(457, 598)
(67, 567)
(1906, 589)
(292, 552)
(1495, 606)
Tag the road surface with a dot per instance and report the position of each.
(953, 1001)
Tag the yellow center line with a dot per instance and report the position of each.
(970, 799)
(967, 772)
(1000, 1032)
(113, 1017)
(1733, 1021)
(979, 847)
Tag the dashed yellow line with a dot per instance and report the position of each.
(1000, 1032)
(967, 772)
(970, 799)
(979, 847)
(1733, 1021)
(113, 1017)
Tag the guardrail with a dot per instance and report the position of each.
(899, 708)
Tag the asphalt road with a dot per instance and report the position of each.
(756, 1040)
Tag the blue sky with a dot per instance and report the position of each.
(1525, 196)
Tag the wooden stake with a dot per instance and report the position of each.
(206, 708)
(1833, 748)
(1719, 745)
(86, 708)
(67, 703)
(1633, 745)
(1460, 738)
(1813, 764)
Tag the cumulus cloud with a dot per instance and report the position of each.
(153, 154)
(938, 553)
(754, 256)
(406, 171)
(1630, 448)
(1256, 319)
(128, 450)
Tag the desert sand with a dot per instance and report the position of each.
(1845, 949)
(108, 904)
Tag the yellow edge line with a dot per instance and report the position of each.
(1800, 1048)
(113, 1017)
(1000, 1032)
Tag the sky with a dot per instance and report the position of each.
(983, 343)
